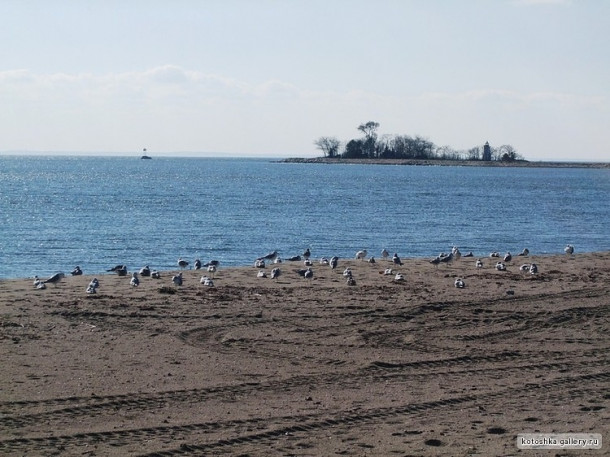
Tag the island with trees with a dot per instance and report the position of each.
(407, 150)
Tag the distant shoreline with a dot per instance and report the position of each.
(449, 163)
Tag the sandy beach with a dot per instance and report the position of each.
(256, 366)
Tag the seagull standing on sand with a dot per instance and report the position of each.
(145, 271)
(182, 263)
(508, 257)
(275, 273)
(533, 269)
(155, 274)
(135, 281)
(396, 259)
(399, 277)
(212, 270)
(385, 254)
(197, 264)
(500, 266)
(569, 249)
(456, 253)
(525, 252)
(177, 279)
(77, 271)
(459, 283)
(361, 254)
(478, 264)
(38, 283)
(306, 253)
(334, 261)
(93, 285)
(259, 263)
(308, 274)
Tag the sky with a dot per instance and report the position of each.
(266, 78)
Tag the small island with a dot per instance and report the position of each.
(406, 150)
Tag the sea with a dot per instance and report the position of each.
(57, 212)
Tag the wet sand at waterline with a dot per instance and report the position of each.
(255, 366)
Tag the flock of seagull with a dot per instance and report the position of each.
(273, 257)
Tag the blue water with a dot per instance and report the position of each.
(58, 212)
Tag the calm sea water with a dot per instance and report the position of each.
(58, 212)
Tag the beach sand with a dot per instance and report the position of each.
(288, 367)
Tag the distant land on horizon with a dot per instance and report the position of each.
(455, 163)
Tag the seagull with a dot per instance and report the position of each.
(525, 268)
(270, 256)
(388, 271)
(372, 259)
(494, 254)
(308, 274)
(500, 266)
(259, 263)
(347, 272)
(275, 273)
(479, 264)
(122, 271)
(211, 262)
(324, 261)
(206, 281)
(295, 258)
(399, 277)
(459, 283)
(470, 254)
(307, 253)
(77, 271)
(533, 269)
(525, 252)
(361, 254)
(447, 259)
(155, 274)
(385, 254)
(307, 263)
(145, 271)
(182, 263)
(508, 257)
(38, 283)
(351, 281)
(117, 268)
(177, 279)
(54, 279)
(261, 274)
(456, 253)
(197, 264)
(435, 261)
(334, 261)
(93, 285)
(212, 270)
(569, 249)
(396, 259)
(135, 282)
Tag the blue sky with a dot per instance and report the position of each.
(269, 77)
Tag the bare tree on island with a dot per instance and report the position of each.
(370, 138)
(329, 145)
